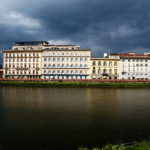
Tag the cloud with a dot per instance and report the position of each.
(104, 26)
(61, 42)
(18, 20)
(124, 31)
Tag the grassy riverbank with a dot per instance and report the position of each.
(136, 146)
(72, 84)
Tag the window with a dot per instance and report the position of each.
(110, 63)
(141, 65)
(67, 66)
(115, 63)
(94, 71)
(104, 63)
(110, 71)
(94, 63)
(81, 71)
(104, 71)
(85, 59)
(85, 66)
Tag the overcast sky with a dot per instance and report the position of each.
(103, 25)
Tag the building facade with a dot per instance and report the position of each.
(105, 68)
(133, 66)
(66, 62)
(24, 61)
(38, 60)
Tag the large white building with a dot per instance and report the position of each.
(65, 62)
(37, 59)
(133, 66)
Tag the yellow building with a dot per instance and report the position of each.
(105, 68)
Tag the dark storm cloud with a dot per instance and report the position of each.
(114, 25)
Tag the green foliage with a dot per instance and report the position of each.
(144, 145)
(69, 84)
(81, 148)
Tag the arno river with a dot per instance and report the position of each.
(68, 118)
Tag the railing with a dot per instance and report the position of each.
(21, 68)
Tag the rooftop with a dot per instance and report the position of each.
(130, 55)
(31, 42)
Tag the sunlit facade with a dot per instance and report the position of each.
(105, 68)
(133, 66)
(66, 62)
(39, 60)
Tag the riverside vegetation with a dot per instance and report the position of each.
(73, 84)
(145, 145)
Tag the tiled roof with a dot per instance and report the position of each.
(130, 55)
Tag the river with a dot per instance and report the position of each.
(68, 118)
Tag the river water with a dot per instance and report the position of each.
(68, 118)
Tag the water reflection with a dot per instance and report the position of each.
(66, 118)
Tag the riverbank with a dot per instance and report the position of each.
(72, 84)
(145, 145)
